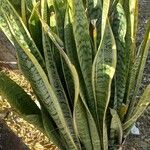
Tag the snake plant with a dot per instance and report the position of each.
(82, 61)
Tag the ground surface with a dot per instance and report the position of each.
(7, 52)
(13, 142)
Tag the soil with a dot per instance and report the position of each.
(9, 140)
(7, 53)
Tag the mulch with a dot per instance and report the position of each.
(9, 140)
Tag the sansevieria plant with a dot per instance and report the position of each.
(81, 59)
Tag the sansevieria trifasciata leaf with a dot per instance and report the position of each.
(43, 89)
(119, 29)
(20, 100)
(83, 47)
(103, 71)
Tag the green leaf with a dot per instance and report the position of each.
(5, 29)
(59, 44)
(139, 109)
(35, 28)
(16, 5)
(94, 14)
(105, 11)
(116, 128)
(93, 9)
(53, 74)
(23, 11)
(138, 69)
(113, 5)
(85, 126)
(51, 129)
(119, 29)
(60, 8)
(103, 71)
(51, 65)
(20, 100)
(38, 79)
(60, 47)
(19, 29)
(70, 49)
(83, 47)
(51, 20)
(131, 7)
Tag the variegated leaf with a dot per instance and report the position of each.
(23, 12)
(103, 71)
(139, 109)
(34, 25)
(130, 7)
(20, 100)
(70, 49)
(105, 11)
(16, 5)
(83, 47)
(53, 74)
(38, 79)
(119, 30)
(94, 14)
(51, 129)
(116, 129)
(20, 30)
(60, 47)
(5, 29)
(85, 126)
(137, 70)
(60, 7)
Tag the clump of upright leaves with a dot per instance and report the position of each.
(81, 60)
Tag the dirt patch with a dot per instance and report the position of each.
(8, 140)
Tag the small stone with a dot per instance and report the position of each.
(135, 130)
